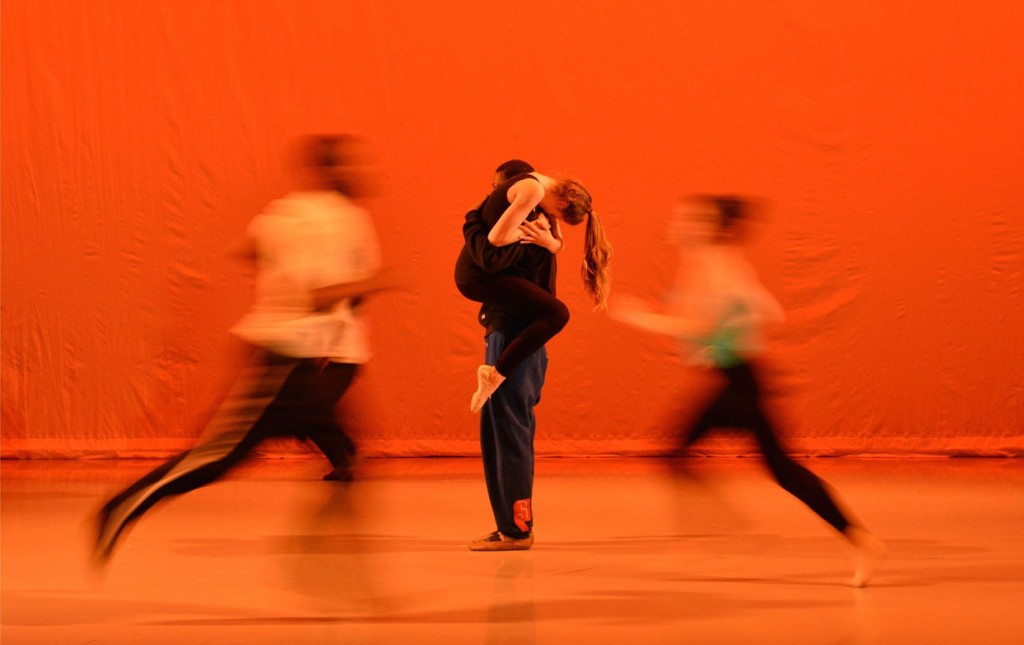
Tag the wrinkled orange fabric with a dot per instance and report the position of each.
(139, 138)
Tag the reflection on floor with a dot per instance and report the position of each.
(626, 552)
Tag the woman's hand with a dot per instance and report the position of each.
(539, 232)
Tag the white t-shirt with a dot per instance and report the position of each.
(308, 240)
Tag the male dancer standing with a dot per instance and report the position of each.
(507, 421)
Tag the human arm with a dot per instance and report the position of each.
(523, 196)
(542, 233)
(325, 297)
(637, 313)
(265, 230)
(485, 255)
(347, 264)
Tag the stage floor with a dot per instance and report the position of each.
(625, 553)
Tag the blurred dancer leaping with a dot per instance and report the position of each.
(717, 308)
(317, 256)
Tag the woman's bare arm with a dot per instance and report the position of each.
(634, 311)
(523, 196)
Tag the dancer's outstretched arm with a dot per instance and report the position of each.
(634, 311)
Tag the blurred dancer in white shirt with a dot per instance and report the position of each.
(317, 256)
(717, 309)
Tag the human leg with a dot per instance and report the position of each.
(507, 430)
(259, 405)
(802, 483)
(321, 424)
(794, 478)
(547, 316)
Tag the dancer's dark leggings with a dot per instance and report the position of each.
(547, 314)
(738, 404)
(302, 406)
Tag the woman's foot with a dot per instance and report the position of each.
(870, 552)
(487, 381)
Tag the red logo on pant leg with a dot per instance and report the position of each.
(523, 513)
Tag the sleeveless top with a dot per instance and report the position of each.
(527, 261)
(536, 264)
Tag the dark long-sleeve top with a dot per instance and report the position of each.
(479, 257)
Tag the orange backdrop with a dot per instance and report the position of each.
(140, 137)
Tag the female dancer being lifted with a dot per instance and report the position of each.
(525, 211)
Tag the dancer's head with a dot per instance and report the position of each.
(570, 202)
(340, 162)
(510, 169)
(705, 219)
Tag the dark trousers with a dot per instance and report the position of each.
(738, 404)
(276, 396)
(547, 315)
(507, 429)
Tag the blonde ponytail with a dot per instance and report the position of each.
(597, 254)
